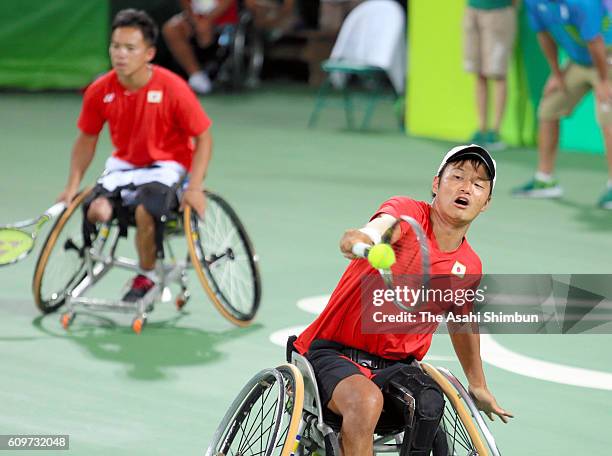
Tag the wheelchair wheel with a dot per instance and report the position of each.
(247, 54)
(224, 260)
(265, 416)
(60, 265)
(462, 431)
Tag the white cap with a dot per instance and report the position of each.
(476, 151)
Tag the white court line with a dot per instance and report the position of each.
(492, 352)
(499, 356)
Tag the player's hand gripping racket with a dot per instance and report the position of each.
(403, 264)
(17, 239)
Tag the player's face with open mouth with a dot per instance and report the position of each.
(463, 191)
(129, 52)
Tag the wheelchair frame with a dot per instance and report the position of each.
(95, 264)
(314, 436)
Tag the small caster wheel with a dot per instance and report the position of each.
(138, 324)
(66, 319)
(181, 300)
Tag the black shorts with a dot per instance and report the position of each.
(331, 365)
(159, 200)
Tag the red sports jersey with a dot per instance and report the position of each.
(229, 16)
(156, 122)
(340, 321)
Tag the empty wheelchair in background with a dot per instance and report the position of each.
(218, 251)
(279, 412)
(236, 59)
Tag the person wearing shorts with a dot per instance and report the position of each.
(160, 133)
(352, 366)
(489, 34)
(582, 29)
(197, 22)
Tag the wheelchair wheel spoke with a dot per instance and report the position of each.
(226, 261)
(456, 432)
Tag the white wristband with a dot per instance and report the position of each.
(374, 235)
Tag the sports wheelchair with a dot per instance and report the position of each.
(218, 251)
(279, 412)
(236, 58)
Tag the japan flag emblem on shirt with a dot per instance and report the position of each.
(154, 96)
(108, 98)
(458, 269)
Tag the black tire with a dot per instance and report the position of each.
(247, 53)
(60, 265)
(265, 416)
(220, 249)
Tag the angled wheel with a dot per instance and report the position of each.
(224, 260)
(247, 54)
(265, 416)
(60, 265)
(462, 432)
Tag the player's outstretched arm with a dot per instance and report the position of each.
(467, 348)
(83, 152)
(371, 234)
(193, 195)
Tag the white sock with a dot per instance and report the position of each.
(149, 274)
(609, 183)
(543, 177)
(200, 82)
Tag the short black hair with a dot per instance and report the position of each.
(138, 19)
(475, 162)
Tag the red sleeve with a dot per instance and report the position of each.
(402, 205)
(91, 120)
(189, 112)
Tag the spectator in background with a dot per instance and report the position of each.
(490, 29)
(582, 29)
(273, 16)
(197, 22)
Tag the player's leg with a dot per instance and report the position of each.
(177, 32)
(153, 202)
(347, 390)
(145, 238)
(498, 33)
(100, 210)
(604, 117)
(359, 402)
(472, 62)
(553, 106)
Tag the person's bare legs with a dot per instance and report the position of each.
(501, 95)
(548, 141)
(177, 33)
(482, 102)
(607, 134)
(145, 239)
(359, 401)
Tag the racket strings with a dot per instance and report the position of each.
(14, 244)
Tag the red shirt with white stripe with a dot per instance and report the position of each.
(156, 122)
(340, 321)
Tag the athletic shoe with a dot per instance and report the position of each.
(493, 141)
(538, 189)
(605, 202)
(200, 83)
(141, 285)
(478, 138)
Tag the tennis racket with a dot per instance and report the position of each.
(412, 265)
(16, 241)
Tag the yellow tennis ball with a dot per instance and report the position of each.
(381, 256)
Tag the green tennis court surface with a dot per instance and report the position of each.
(297, 190)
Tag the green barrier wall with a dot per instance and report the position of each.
(440, 101)
(52, 44)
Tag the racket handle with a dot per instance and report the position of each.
(55, 210)
(361, 249)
